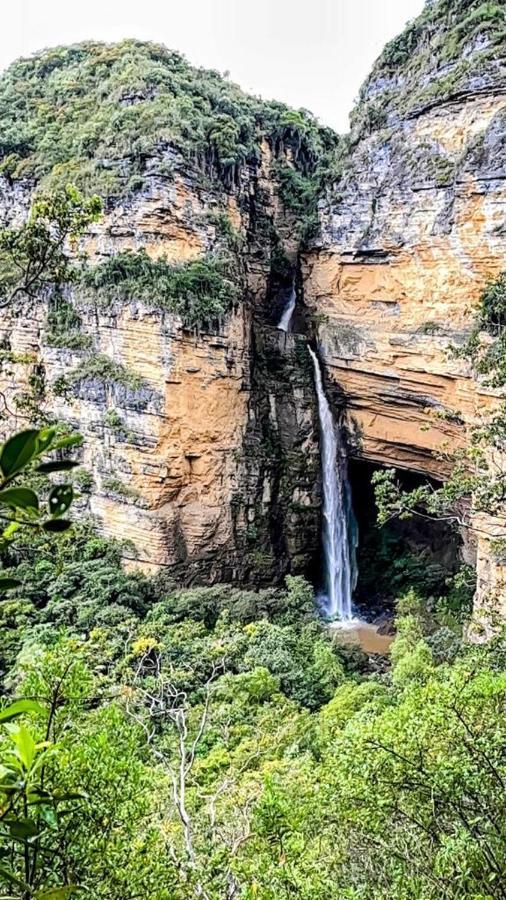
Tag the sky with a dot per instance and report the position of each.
(307, 53)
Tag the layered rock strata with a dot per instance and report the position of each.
(410, 235)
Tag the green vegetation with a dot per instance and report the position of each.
(35, 257)
(199, 291)
(95, 114)
(226, 230)
(116, 423)
(22, 506)
(82, 479)
(466, 36)
(486, 346)
(99, 367)
(64, 326)
(116, 486)
(388, 568)
(236, 744)
(493, 305)
(299, 195)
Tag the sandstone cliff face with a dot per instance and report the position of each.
(410, 235)
(209, 464)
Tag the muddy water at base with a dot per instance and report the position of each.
(363, 635)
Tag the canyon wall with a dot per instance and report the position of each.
(207, 462)
(410, 235)
(201, 445)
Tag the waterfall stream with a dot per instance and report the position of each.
(339, 533)
(286, 319)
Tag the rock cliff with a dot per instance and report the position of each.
(410, 234)
(201, 445)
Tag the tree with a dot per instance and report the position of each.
(35, 256)
(28, 810)
(156, 703)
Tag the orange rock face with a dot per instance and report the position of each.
(178, 464)
(395, 278)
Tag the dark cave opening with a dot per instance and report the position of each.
(414, 553)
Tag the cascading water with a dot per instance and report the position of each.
(286, 319)
(339, 527)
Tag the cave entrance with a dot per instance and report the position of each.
(414, 553)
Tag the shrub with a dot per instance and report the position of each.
(199, 291)
(102, 368)
(116, 486)
(64, 326)
(493, 305)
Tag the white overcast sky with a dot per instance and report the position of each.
(310, 53)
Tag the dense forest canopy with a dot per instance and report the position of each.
(96, 114)
(215, 742)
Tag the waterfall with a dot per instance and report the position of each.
(339, 533)
(286, 319)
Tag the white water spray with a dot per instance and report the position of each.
(285, 321)
(339, 536)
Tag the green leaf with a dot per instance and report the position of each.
(70, 440)
(10, 531)
(56, 525)
(20, 708)
(69, 795)
(46, 436)
(38, 796)
(60, 498)
(18, 451)
(7, 584)
(58, 893)
(19, 498)
(23, 829)
(24, 742)
(57, 465)
(49, 815)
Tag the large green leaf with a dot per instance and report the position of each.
(57, 465)
(56, 525)
(19, 498)
(23, 829)
(20, 708)
(26, 748)
(18, 451)
(70, 440)
(46, 437)
(59, 499)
